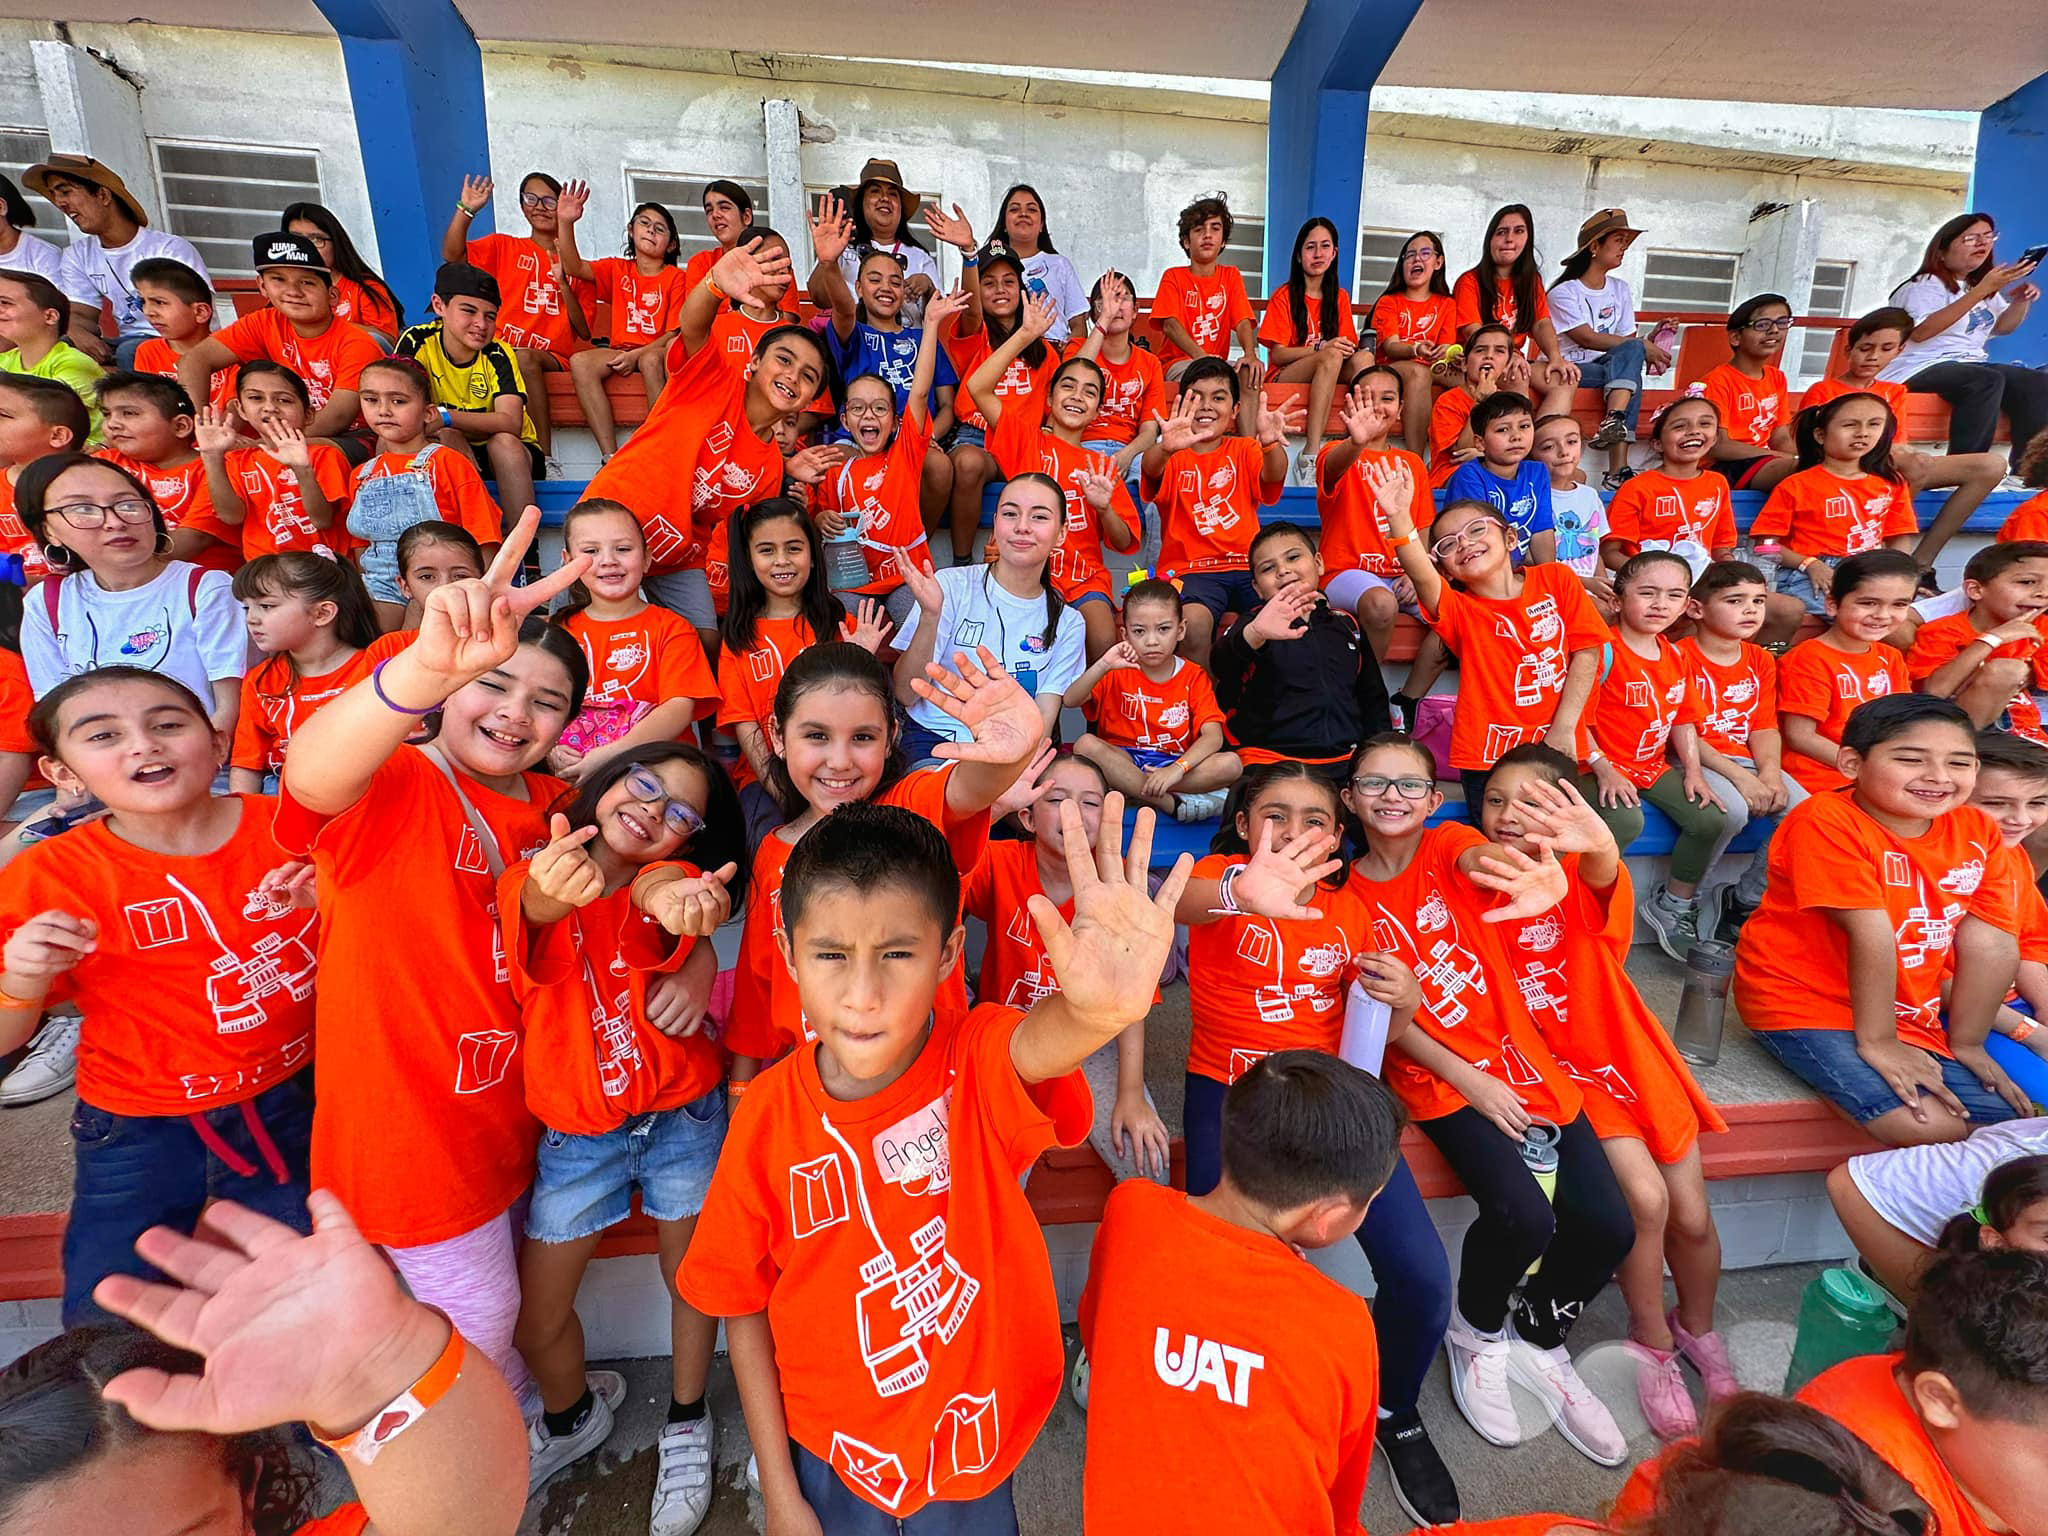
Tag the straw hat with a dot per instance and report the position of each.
(86, 169)
(1598, 226)
(884, 171)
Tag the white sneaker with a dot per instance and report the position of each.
(1579, 1416)
(1205, 806)
(50, 1066)
(1479, 1382)
(547, 1454)
(682, 1485)
(1077, 1380)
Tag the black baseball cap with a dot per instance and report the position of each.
(996, 249)
(285, 249)
(459, 280)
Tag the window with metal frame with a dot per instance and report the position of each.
(221, 196)
(1689, 280)
(1378, 250)
(1246, 251)
(683, 196)
(1832, 284)
(21, 148)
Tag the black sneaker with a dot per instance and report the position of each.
(1612, 429)
(1422, 1483)
(1615, 479)
(1734, 913)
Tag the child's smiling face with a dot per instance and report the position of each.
(1214, 410)
(1687, 434)
(640, 831)
(2017, 803)
(1878, 606)
(1924, 771)
(1392, 792)
(137, 745)
(617, 551)
(1469, 543)
(870, 413)
(2019, 591)
(1283, 561)
(835, 745)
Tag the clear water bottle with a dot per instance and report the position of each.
(1841, 1315)
(1703, 1004)
(1764, 552)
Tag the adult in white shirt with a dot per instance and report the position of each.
(1023, 228)
(113, 235)
(880, 207)
(1595, 316)
(19, 250)
(1959, 299)
(1006, 606)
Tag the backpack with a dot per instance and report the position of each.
(55, 579)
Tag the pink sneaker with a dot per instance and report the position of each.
(1660, 1388)
(1709, 1357)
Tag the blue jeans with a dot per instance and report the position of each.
(1826, 1059)
(1611, 370)
(842, 1512)
(1412, 1275)
(134, 1172)
(583, 1184)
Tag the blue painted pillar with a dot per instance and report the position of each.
(416, 79)
(1315, 124)
(2007, 183)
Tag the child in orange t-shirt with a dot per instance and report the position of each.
(1490, 363)
(1889, 879)
(1487, 1091)
(644, 288)
(1361, 575)
(38, 417)
(1822, 680)
(877, 1172)
(1642, 1102)
(179, 307)
(649, 680)
(312, 619)
(1156, 731)
(1134, 394)
(1681, 505)
(1416, 321)
(1989, 658)
(609, 904)
(192, 966)
(1754, 450)
(2012, 789)
(286, 492)
(1202, 306)
(1226, 1372)
(1209, 484)
(1308, 330)
(149, 426)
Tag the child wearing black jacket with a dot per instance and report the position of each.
(1295, 677)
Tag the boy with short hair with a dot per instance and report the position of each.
(476, 381)
(1202, 305)
(890, 1310)
(1216, 1350)
(1503, 426)
(38, 417)
(1989, 657)
(1491, 363)
(177, 302)
(1294, 674)
(32, 316)
(1158, 730)
(150, 428)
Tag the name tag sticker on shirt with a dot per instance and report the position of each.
(914, 1152)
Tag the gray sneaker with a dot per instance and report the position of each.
(547, 1454)
(1676, 926)
(49, 1067)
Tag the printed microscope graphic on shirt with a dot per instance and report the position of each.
(910, 1305)
(1277, 1001)
(1447, 969)
(1539, 671)
(1928, 931)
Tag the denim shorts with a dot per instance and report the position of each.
(1798, 584)
(583, 1184)
(1826, 1059)
(966, 436)
(1220, 592)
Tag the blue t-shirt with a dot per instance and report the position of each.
(889, 355)
(1524, 501)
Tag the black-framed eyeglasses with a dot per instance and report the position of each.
(1375, 784)
(94, 514)
(535, 200)
(681, 816)
(1769, 326)
(869, 407)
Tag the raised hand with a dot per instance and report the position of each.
(1270, 882)
(870, 628)
(1041, 314)
(1393, 492)
(693, 906)
(1282, 615)
(571, 201)
(1364, 421)
(831, 228)
(213, 430)
(1029, 787)
(745, 271)
(1531, 886)
(1002, 720)
(1116, 297)
(476, 193)
(469, 627)
(1274, 426)
(286, 444)
(564, 871)
(807, 466)
(1098, 490)
(48, 945)
(952, 228)
(1559, 814)
(941, 307)
(1177, 428)
(923, 584)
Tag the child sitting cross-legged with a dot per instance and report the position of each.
(863, 1421)
(1503, 476)
(1989, 657)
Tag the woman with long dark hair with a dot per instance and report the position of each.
(1309, 332)
(360, 295)
(1021, 224)
(1505, 288)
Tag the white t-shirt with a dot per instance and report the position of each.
(1610, 310)
(917, 262)
(1579, 519)
(90, 272)
(1962, 342)
(1918, 1189)
(977, 611)
(196, 635)
(1050, 272)
(32, 253)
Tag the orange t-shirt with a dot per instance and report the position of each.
(1751, 409)
(1354, 529)
(1569, 967)
(1209, 500)
(1257, 985)
(747, 680)
(1940, 641)
(1015, 969)
(1020, 384)
(1825, 684)
(1635, 707)
(1512, 655)
(423, 1129)
(1447, 418)
(199, 991)
(1430, 319)
(14, 534)
(649, 657)
(458, 489)
(1863, 1395)
(159, 357)
(1736, 699)
(533, 314)
(643, 308)
(332, 360)
(582, 990)
(878, 497)
(2028, 521)
(274, 510)
(1890, 391)
(16, 700)
(349, 1520)
(276, 701)
(692, 464)
(1429, 916)
(1654, 511)
(1277, 328)
(1135, 393)
(180, 493)
(1792, 965)
(1201, 1333)
(1127, 709)
(1020, 446)
(919, 1345)
(1465, 303)
(2015, 872)
(1820, 513)
(1212, 307)
(363, 306)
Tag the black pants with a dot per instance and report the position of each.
(1977, 393)
(1581, 1235)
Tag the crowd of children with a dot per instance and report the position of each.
(357, 855)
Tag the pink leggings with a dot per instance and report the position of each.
(474, 1278)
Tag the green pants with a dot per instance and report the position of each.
(1699, 826)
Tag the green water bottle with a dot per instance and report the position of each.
(1841, 1316)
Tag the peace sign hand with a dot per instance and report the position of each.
(469, 627)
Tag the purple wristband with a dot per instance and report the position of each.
(377, 687)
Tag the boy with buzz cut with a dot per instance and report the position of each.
(1989, 658)
(1503, 427)
(1203, 305)
(179, 305)
(888, 1300)
(1226, 1372)
(38, 417)
(32, 317)
(477, 387)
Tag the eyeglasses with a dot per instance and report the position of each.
(1471, 533)
(869, 407)
(1769, 326)
(94, 514)
(529, 200)
(681, 816)
(1374, 784)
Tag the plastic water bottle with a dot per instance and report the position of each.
(1664, 338)
(846, 563)
(1540, 1157)
(1765, 553)
(1703, 1004)
(1841, 1315)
